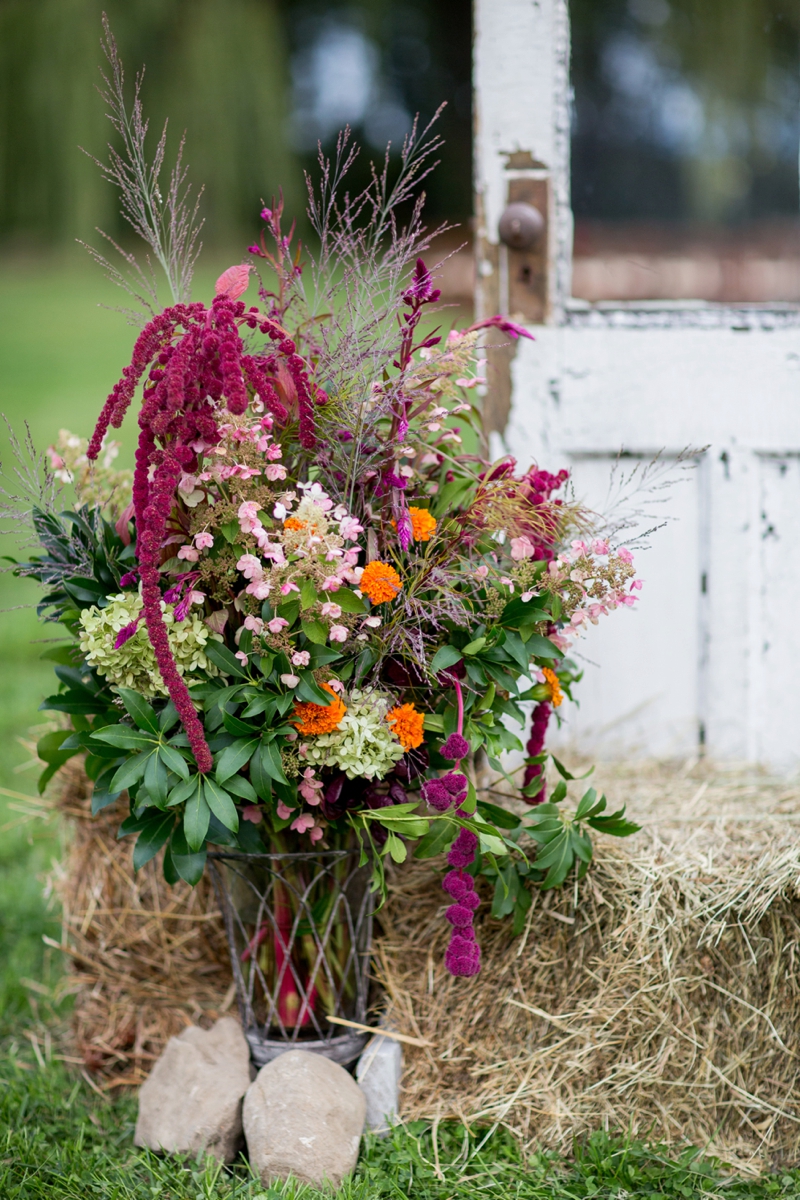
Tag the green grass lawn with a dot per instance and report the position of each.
(59, 356)
(59, 1141)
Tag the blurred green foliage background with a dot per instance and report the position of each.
(253, 83)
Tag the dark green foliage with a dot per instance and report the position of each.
(83, 561)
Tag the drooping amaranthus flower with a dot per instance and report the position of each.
(539, 723)
(196, 358)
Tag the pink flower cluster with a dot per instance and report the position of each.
(197, 359)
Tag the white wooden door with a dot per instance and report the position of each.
(711, 657)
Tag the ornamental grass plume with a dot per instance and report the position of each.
(380, 582)
(312, 719)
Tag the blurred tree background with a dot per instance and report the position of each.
(253, 82)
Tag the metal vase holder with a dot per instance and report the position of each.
(299, 930)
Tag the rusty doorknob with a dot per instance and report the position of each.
(520, 226)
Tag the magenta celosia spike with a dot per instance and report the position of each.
(115, 407)
(305, 404)
(151, 524)
(258, 381)
(539, 723)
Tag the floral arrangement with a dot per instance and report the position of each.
(312, 613)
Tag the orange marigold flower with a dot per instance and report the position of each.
(556, 694)
(316, 718)
(293, 523)
(423, 525)
(380, 582)
(406, 725)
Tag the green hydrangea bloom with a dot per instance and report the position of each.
(133, 665)
(362, 745)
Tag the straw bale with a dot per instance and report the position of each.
(147, 959)
(661, 995)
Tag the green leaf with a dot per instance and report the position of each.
(614, 824)
(348, 601)
(188, 864)
(174, 761)
(239, 786)
(557, 857)
(434, 723)
(396, 848)
(315, 631)
(564, 773)
(471, 801)
(238, 727)
(137, 824)
(436, 840)
(183, 790)
(230, 531)
(168, 717)
(308, 594)
(138, 708)
(309, 689)
(475, 647)
(234, 757)
(50, 748)
(290, 610)
(220, 804)
(270, 762)
(541, 647)
(155, 780)
(515, 646)
(445, 656)
(129, 773)
(124, 737)
(587, 805)
(558, 793)
(223, 658)
(151, 839)
(195, 820)
(521, 909)
(500, 817)
(261, 781)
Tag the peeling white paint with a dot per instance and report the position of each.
(715, 644)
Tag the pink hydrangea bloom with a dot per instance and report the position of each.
(338, 633)
(188, 553)
(203, 540)
(277, 624)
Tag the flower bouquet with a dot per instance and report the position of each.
(299, 633)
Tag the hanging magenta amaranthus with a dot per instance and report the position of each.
(197, 359)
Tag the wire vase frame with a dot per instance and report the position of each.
(299, 928)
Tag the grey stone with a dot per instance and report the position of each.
(192, 1100)
(303, 1116)
(378, 1073)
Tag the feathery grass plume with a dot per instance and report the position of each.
(170, 223)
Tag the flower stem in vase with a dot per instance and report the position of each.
(288, 997)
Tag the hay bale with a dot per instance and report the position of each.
(660, 995)
(147, 959)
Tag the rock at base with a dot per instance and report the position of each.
(192, 1100)
(303, 1116)
(378, 1074)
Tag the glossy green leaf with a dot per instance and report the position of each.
(196, 816)
(220, 804)
(151, 839)
(188, 864)
(155, 780)
(174, 761)
(445, 656)
(223, 658)
(234, 757)
(143, 715)
(129, 773)
(125, 737)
